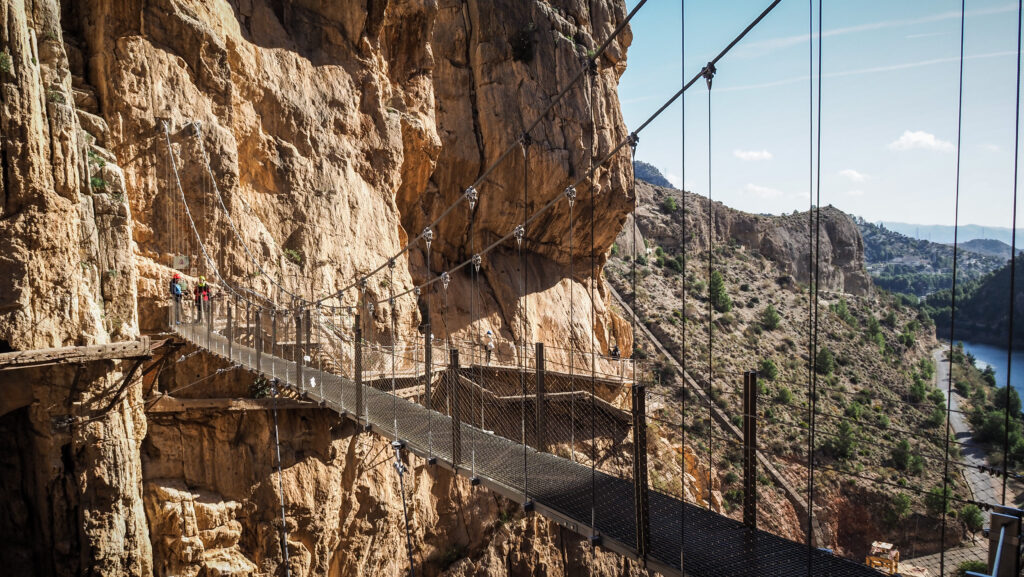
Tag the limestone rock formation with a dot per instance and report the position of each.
(332, 133)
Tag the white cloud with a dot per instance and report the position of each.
(853, 175)
(752, 154)
(762, 191)
(912, 139)
(674, 179)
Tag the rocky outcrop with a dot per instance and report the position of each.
(785, 240)
(332, 133)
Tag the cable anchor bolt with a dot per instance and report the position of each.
(477, 261)
(445, 279)
(570, 194)
(428, 236)
(472, 196)
(518, 233)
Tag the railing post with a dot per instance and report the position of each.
(428, 358)
(298, 351)
(273, 333)
(230, 334)
(640, 488)
(358, 361)
(308, 340)
(541, 432)
(453, 371)
(257, 339)
(209, 320)
(750, 449)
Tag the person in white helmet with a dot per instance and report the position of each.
(489, 344)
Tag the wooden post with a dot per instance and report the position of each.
(453, 372)
(541, 428)
(640, 485)
(359, 368)
(750, 449)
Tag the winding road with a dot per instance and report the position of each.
(985, 488)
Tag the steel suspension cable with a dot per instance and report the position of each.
(814, 289)
(524, 322)
(709, 75)
(1013, 259)
(593, 307)
(280, 485)
(571, 196)
(952, 294)
(682, 415)
(188, 213)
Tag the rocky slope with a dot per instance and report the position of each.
(878, 354)
(333, 132)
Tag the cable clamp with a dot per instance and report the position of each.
(708, 72)
(633, 140)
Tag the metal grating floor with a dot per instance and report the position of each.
(715, 545)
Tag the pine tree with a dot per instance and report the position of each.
(770, 318)
(717, 294)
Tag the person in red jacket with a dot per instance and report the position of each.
(202, 296)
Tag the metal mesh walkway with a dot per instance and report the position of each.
(571, 493)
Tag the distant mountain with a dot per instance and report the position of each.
(989, 246)
(650, 173)
(902, 264)
(944, 233)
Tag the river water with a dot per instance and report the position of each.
(988, 355)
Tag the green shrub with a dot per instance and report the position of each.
(901, 455)
(5, 62)
(937, 501)
(293, 255)
(56, 96)
(785, 396)
(972, 517)
(770, 318)
(825, 361)
(97, 183)
(936, 418)
(901, 506)
(717, 294)
(669, 205)
(854, 410)
(844, 444)
(916, 466)
(768, 369)
(976, 566)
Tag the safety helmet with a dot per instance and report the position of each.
(202, 279)
(177, 276)
(489, 332)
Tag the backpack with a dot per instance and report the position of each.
(175, 289)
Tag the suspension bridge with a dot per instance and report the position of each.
(562, 431)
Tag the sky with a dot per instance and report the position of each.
(889, 105)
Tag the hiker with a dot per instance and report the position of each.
(202, 296)
(615, 351)
(489, 343)
(176, 292)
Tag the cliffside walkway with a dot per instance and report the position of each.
(582, 498)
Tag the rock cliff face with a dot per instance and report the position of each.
(332, 132)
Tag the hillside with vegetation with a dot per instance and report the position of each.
(650, 174)
(880, 420)
(901, 264)
(982, 309)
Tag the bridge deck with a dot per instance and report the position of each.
(561, 489)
